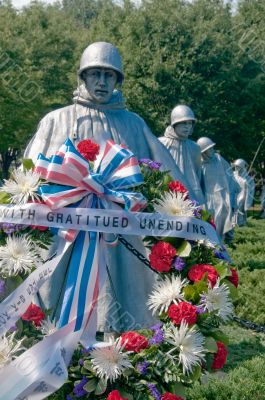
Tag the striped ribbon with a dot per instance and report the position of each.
(115, 171)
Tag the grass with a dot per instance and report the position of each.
(244, 373)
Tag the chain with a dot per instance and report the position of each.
(135, 252)
(249, 325)
(246, 324)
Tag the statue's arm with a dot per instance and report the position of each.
(41, 140)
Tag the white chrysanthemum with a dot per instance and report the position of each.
(48, 327)
(218, 299)
(174, 203)
(9, 348)
(109, 362)
(19, 254)
(207, 243)
(22, 187)
(165, 292)
(188, 343)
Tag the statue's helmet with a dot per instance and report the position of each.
(104, 55)
(182, 113)
(240, 163)
(205, 143)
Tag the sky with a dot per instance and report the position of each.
(21, 3)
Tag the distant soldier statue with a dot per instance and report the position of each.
(99, 113)
(219, 186)
(185, 152)
(243, 197)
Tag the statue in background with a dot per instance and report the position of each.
(99, 113)
(219, 186)
(243, 197)
(185, 152)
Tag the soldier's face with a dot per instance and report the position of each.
(208, 154)
(184, 129)
(100, 83)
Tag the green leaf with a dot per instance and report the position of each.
(191, 293)
(201, 286)
(101, 387)
(232, 289)
(220, 336)
(178, 389)
(222, 270)
(91, 385)
(4, 198)
(210, 345)
(196, 373)
(184, 249)
(27, 164)
(125, 394)
(12, 283)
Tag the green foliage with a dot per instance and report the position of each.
(199, 53)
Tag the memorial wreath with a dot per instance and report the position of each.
(191, 299)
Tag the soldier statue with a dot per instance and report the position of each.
(99, 113)
(185, 152)
(243, 197)
(219, 186)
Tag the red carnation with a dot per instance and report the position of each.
(133, 341)
(197, 272)
(234, 277)
(176, 186)
(35, 314)
(183, 311)
(220, 357)
(40, 228)
(162, 255)
(115, 395)
(170, 396)
(212, 223)
(88, 149)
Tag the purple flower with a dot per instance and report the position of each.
(150, 163)
(68, 397)
(179, 263)
(142, 367)
(200, 309)
(79, 390)
(156, 327)
(197, 212)
(88, 350)
(81, 362)
(154, 392)
(157, 338)
(220, 255)
(2, 287)
(13, 328)
(155, 165)
(9, 228)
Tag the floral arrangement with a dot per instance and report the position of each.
(192, 298)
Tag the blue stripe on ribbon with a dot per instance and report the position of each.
(53, 189)
(126, 181)
(72, 278)
(85, 279)
(121, 156)
(56, 160)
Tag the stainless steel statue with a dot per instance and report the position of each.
(99, 113)
(219, 187)
(242, 200)
(185, 152)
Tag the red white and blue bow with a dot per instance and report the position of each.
(115, 171)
